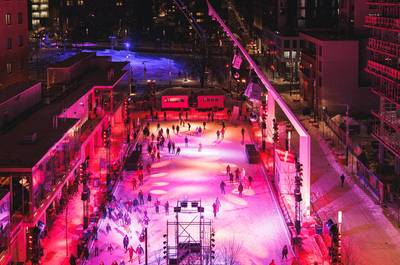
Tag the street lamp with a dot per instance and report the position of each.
(339, 244)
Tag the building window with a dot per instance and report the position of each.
(8, 18)
(9, 43)
(286, 44)
(80, 2)
(19, 18)
(9, 68)
(20, 40)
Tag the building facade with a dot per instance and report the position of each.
(13, 42)
(383, 66)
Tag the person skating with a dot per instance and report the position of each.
(167, 132)
(166, 207)
(158, 156)
(139, 252)
(96, 249)
(223, 125)
(218, 203)
(134, 183)
(204, 125)
(178, 150)
(186, 116)
(173, 128)
(125, 242)
(228, 170)
(177, 129)
(218, 133)
(272, 262)
(140, 179)
(149, 197)
(122, 262)
(240, 189)
(209, 115)
(157, 205)
(189, 126)
(237, 174)
(135, 205)
(169, 147)
(285, 252)
(165, 116)
(231, 177)
(94, 231)
(243, 131)
(110, 248)
(212, 116)
(222, 187)
(141, 197)
(173, 148)
(200, 147)
(250, 181)
(186, 141)
(108, 228)
(215, 209)
(342, 180)
(131, 251)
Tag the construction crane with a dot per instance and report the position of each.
(200, 32)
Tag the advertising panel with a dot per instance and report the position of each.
(210, 101)
(175, 102)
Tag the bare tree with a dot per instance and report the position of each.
(229, 252)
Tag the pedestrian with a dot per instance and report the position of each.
(141, 197)
(186, 141)
(178, 150)
(285, 252)
(218, 133)
(240, 189)
(166, 207)
(249, 181)
(212, 116)
(131, 251)
(222, 187)
(139, 252)
(125, 242)
(200, 147)
(177, 129)
(149, 197)
(204, 125)
(342, 180)
(215, 209)
(157, 205)
(228, 170)
(72, 260)
(218, 203)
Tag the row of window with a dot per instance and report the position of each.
(8, 19)
(20, 42)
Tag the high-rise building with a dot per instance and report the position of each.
(14, 41)
(383, 22)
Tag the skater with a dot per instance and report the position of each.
(165, 116)
(158, 156)
(228, 170)
(237, 174)
(218, 203)
(204, 125)
(131, 251)
(108, 228)
(134, 183)
(167, 132)
(173, 148)
(249, 181)
(215, 209)
(218, 133)
(223, 125)
(189, 126)
(212, 116)
(243, 131)
(231, 177)
(140, 179)
(222, 187)
(110, 248)
(186, 116)
(169, 146)
(125, 242)
(139, 252)
(240, 189)
(200, 147)
(94, 231)
(342, 180)
(135, 205)
(149, 197)
(178, 150)
(285, 252)
(272, 262)
(141, 197)
(222, 133)
(96, 249)
(173, 128)
(177, 129)
(186, 141)
(157, 205)
(166, 208)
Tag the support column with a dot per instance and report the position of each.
(270, 116)
(305, 160)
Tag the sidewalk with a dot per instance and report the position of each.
(368, 237)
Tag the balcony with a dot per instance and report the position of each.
(384, 2)
(392, 24)
(391, 118)
(382, 71)
(389, 138)
(388, 48)
(391, 92)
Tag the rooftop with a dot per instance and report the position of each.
(15, 89)
(15, 154)
(73, 60)
(329, 35)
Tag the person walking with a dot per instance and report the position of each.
(222, 187)
(285, 252)
(125, 242)
(173, 148)
(342, 180)
(186, 141)
(173, 128)
(240, 189)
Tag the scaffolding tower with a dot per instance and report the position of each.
(189, 238)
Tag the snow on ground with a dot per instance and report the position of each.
(252, 221)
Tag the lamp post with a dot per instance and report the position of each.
(339, 244)
(145, 246)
